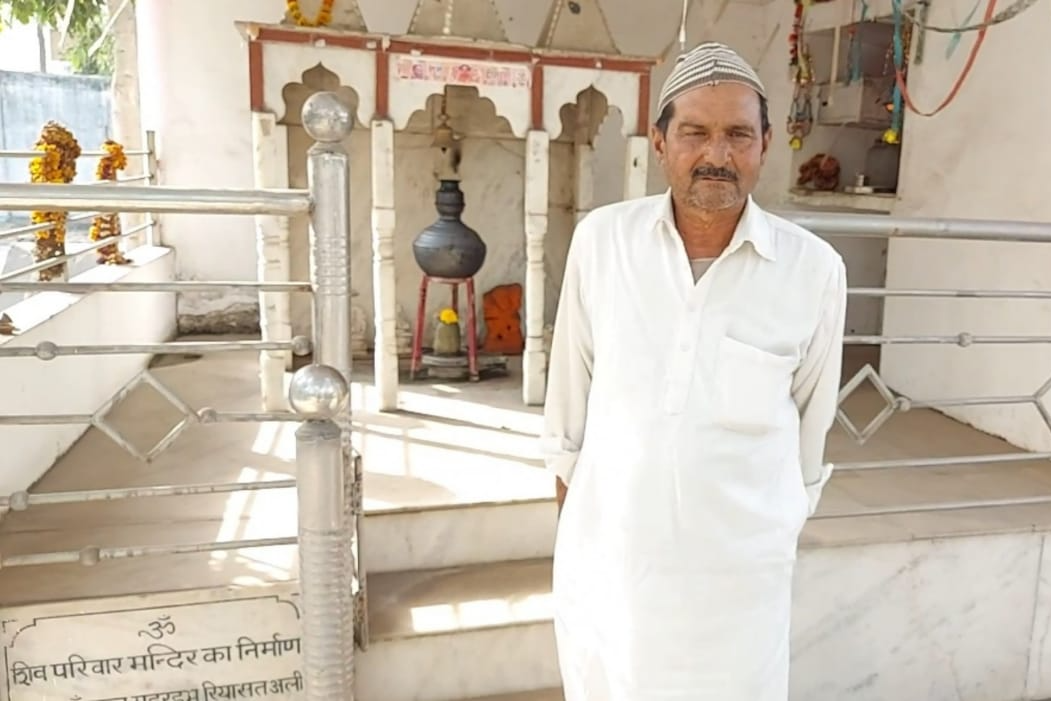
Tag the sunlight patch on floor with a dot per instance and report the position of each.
(482, 613)
(264, 513)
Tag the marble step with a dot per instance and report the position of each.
(538, 695)
(462, 534)
(460, 633)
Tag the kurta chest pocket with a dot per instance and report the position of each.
(752, 386)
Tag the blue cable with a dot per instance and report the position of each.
(855, 62)
(899, 62)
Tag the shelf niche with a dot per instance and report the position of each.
(850, 111)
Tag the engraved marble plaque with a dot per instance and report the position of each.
(189, 646)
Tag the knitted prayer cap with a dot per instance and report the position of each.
(709, 63)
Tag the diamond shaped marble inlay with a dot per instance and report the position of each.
(866, 373)
(189, 416)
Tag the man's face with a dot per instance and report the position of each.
(714, 146)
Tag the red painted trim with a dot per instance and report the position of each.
(374, 42)
(291, 36)
(537, 97)
(382, 85)
(621, 65)
(255, 77)
(402, 46)
(644, 104)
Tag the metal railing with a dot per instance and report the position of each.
(328, 482)
(129, 237)
(889, 227)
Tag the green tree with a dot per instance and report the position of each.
(86, 22)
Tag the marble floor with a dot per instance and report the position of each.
(451, 444)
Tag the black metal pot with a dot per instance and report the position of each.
(448, 247)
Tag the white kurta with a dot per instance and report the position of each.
(689, 421)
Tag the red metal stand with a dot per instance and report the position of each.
(472, 331)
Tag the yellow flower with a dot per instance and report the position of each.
(324, 15)
(448, 316)
(57, 163)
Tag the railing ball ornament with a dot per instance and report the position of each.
(326, 118)
(207, 415)
(301, 346)
(19, 501)
(46, 350)
(90, 556)
(318, 392)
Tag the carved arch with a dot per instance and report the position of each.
(563, 85)
(316, 79)
(287, 64)
(470, 114)
(414, 80)
(583, 119)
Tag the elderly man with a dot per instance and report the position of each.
(694, 373)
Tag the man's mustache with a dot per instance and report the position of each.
(711, 172)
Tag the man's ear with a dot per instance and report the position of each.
(660, 143)
(767, 138)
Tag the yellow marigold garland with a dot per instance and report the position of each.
(57, 164)
(324, 15)
(107, 226)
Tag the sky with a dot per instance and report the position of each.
(18, 49)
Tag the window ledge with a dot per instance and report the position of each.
(860, 202)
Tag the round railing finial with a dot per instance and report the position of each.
(318, 392)
(326, 117)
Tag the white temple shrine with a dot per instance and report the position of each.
(545, 103)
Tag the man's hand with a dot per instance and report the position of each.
(560, 493)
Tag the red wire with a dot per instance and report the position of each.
(990, 10)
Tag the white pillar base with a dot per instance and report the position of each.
(273, 256)
(384, 291)
(534, 359)
(636, 167)
(584, 195)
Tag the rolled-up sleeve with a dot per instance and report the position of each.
(816, 386)
(569, 369)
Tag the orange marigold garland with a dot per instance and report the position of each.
(107, 226)
(57, 164)
(324, 15)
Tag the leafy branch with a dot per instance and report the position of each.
(83, 22)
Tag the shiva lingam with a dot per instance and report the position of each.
(449, 252)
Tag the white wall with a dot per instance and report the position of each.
(983, 157)
(197, 101)
(204, 139)
(979, 158)
(71, 384)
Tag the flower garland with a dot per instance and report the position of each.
(800, 116)
(324, 15)
(107, 226)
(57, 164)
